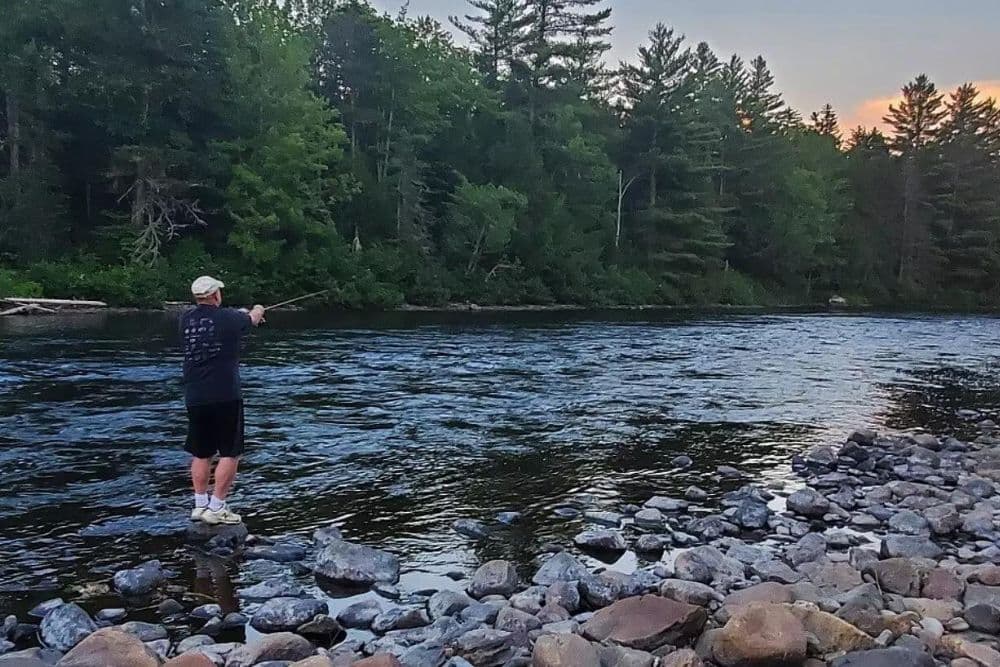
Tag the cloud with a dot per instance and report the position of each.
(870, 112)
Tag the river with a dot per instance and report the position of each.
(393, 426)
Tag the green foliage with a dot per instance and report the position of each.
(12, 283)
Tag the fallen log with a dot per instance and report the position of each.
(70, 303)
(25, 308)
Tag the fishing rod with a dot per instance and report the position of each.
(296, 300)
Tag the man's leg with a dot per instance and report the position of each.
(201, 469)
(225, 474)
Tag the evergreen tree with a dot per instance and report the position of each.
(825, 122)
(498, 34)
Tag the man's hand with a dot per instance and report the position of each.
(257, 315)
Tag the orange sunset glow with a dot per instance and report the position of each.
(870, 112)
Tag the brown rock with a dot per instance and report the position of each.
(766, 592)
(832, 634)
(646, 623)
(286, 646)
(831, 577)
(381, 660)
(315, 661)
(683, 658)
(190, 659)
(943, 584)
(564, 651)
(110, 648)
(902, 576)
(942, 610)
(761, 635)
(988, 575)
(980, 654)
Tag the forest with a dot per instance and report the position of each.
(289, 146)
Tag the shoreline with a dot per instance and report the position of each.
(887, 555)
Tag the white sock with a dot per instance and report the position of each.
(215, 504)
(200, 500)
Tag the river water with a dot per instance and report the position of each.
(393, 426)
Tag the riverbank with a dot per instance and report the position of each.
(886, 556)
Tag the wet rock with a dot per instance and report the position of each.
(810, 548)
(199, 532)
(193, 642)
(321, 630)
(470, 528)
(983, 618)
(447, 603)
(760, 634)
(286, 614)
(113, 616)
(41, 609)
(808, 502)
(651, 544)
(729, 472)
(889, 657)
(560, 567)
(681, 461)
(688, 592)
(400, 618)
(141, 580)
(564, 651)
(529, 600)
(864, 437)
(359, 615)
(601, 540)
(480, 612)
(612, 519)
(566, 594)
(272, 588)
(711, 527)
(322, 536)
(281, 646)
(646, 623)
(65, 626)
(356, 564)
(515, 620)
(910, 546)
(485, 647)
(668, 505)
(604, 589)
(282, 552)
(706, 564)
(508, 518)
(110, 648)
(168, 607)
(752, 514)
(853, 451)
(694, 494)
(497, 577)
(908, 522)
(145, 632)
(943, 519)
(649, 518)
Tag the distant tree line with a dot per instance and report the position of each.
(305, 144)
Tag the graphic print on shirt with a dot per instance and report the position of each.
(200, 340)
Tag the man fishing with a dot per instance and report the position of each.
(212, 337)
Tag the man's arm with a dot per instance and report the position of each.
(257, 315)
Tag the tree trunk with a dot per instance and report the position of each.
(909, 210)
(14, 132)
(474, 260)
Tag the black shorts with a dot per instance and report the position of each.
(216, 428)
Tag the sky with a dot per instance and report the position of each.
(855, 54)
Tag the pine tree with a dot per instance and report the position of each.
(915, 124)
(565, 42)
(498, 34)
(825, 122)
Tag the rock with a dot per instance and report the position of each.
(695, 494)
(383, 660)
(612, 519)
(706, 565)
(470, 528)
(862, 608)
(479, 612)
(282, 552)
(400, 618)
(43, 608)
(619, 656)
(710, 527)
(484, 647)
(515, 620)
(601, 540)
(729, 472)
(810, 548)
(356, 564)
(564, 651)
(908, 523)
(864, 437)
(562, 567)
(646, 623)
(980, 653)
(910, 546)
(508, 518)
(979, 594)
(193, 642)
(664, 504)
(888, 657)
(983, 618)
(168, 607)
(761, 635)
(447, 603)
(942, 610)
(808, 502)
(566, 594)
(286, 614)
(160, 647)
(65, 626)
(114, 615)
(651, 544)
(322, 629)
(604, 589)
(190, 660)
(943, 584)
(325, 535)
(774, 570)
(141, 580)
(765, 592)
(272, 588)
(146, 632)
(903, 576)
(234, 620)
(831, 633)
(688, 592)
(682, 461)
(649, 518)
(752, 514)
(110, 648)
(943, 519)
(683, 658)
(285, 646)
(497, 577)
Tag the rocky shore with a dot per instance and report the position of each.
(888, 555)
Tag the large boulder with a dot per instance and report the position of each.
(110, 648)
(562, 567)
(356, 564)
(497, 577)
(66, 626)
(646, 623)
(761, 635)
(280, 646)
(831, 633)
(286, 614)
(447, 603)
(808, 502)
(706, 565)
(564, 651)
(141, 580)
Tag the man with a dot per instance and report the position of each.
(212, 337)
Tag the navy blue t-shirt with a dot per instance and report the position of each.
(212, 338)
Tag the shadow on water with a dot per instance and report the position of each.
(394, 426)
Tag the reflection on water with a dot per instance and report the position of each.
(394, 427)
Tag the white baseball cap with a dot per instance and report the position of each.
(206, 286)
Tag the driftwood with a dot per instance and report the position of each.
(26, 308)
(58, 303)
